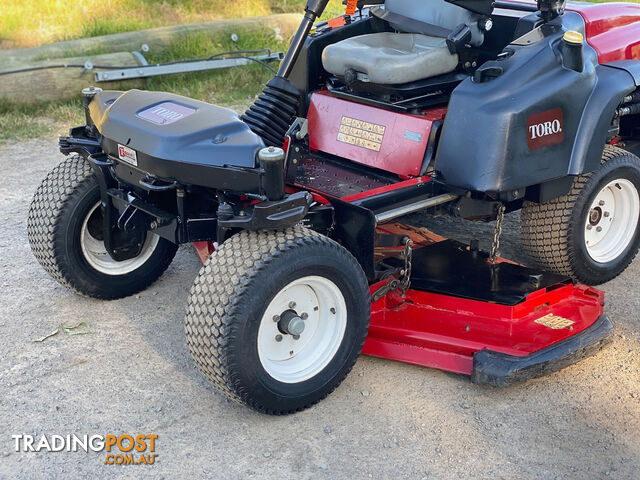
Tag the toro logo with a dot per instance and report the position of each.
(128, 155)
(545, 129)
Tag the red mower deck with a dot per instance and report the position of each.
(496, 344)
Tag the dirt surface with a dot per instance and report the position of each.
(133, 375)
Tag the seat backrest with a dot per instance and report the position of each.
(437, 12)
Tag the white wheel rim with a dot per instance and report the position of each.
(612, 221)
(291, 360)
(95, 253)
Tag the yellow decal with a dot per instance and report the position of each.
(555, 322)
(361, 134)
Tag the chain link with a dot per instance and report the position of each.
(403, 282)
(496, 233)
(405, 278)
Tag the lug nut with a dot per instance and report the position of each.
(601, 203)
(598, 229)
(296, 337)
(589, 227)
(292, 304)
(276, 318)
(278, 338)
(304, 315)
(606, 214)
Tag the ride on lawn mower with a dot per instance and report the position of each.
(470, 108)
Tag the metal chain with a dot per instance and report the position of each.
(496, 233)
(403, 282)
(405, 278)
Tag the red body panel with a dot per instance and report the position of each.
(388, 188)
(390, 141)
(204, 249)
(445, 332)
(613, 29)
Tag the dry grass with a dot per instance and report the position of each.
(27, 23)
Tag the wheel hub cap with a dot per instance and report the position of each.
(302, 329)
(612, 221)
(595, 216)
(290, 323)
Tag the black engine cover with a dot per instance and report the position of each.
(175, 137)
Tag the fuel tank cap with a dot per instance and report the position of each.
(571, 36)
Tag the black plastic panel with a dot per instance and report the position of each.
(484, 144)
(449, 268)
(210, 136)
(632, 67)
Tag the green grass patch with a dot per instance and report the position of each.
(19, 122)
(235, 87)
(105, 26)
(34, 22)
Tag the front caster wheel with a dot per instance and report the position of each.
(276, 320)
(65, 234)
(590, 234)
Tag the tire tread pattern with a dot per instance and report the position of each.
(217, 293)
(58, 193)
(46, 210)
(546, 228)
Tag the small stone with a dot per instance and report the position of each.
(365, 393)
(465, 406)
(266, 454)
(154, 293)
(6, 454)
(386, 445)
(327, 429)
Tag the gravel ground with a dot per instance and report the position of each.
(133, 374)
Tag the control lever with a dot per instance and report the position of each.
(459, 38)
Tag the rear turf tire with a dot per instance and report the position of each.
(65, 210)
(571, 235)
(244, 291)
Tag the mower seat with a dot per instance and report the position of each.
(403, 56)
(390, 58)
